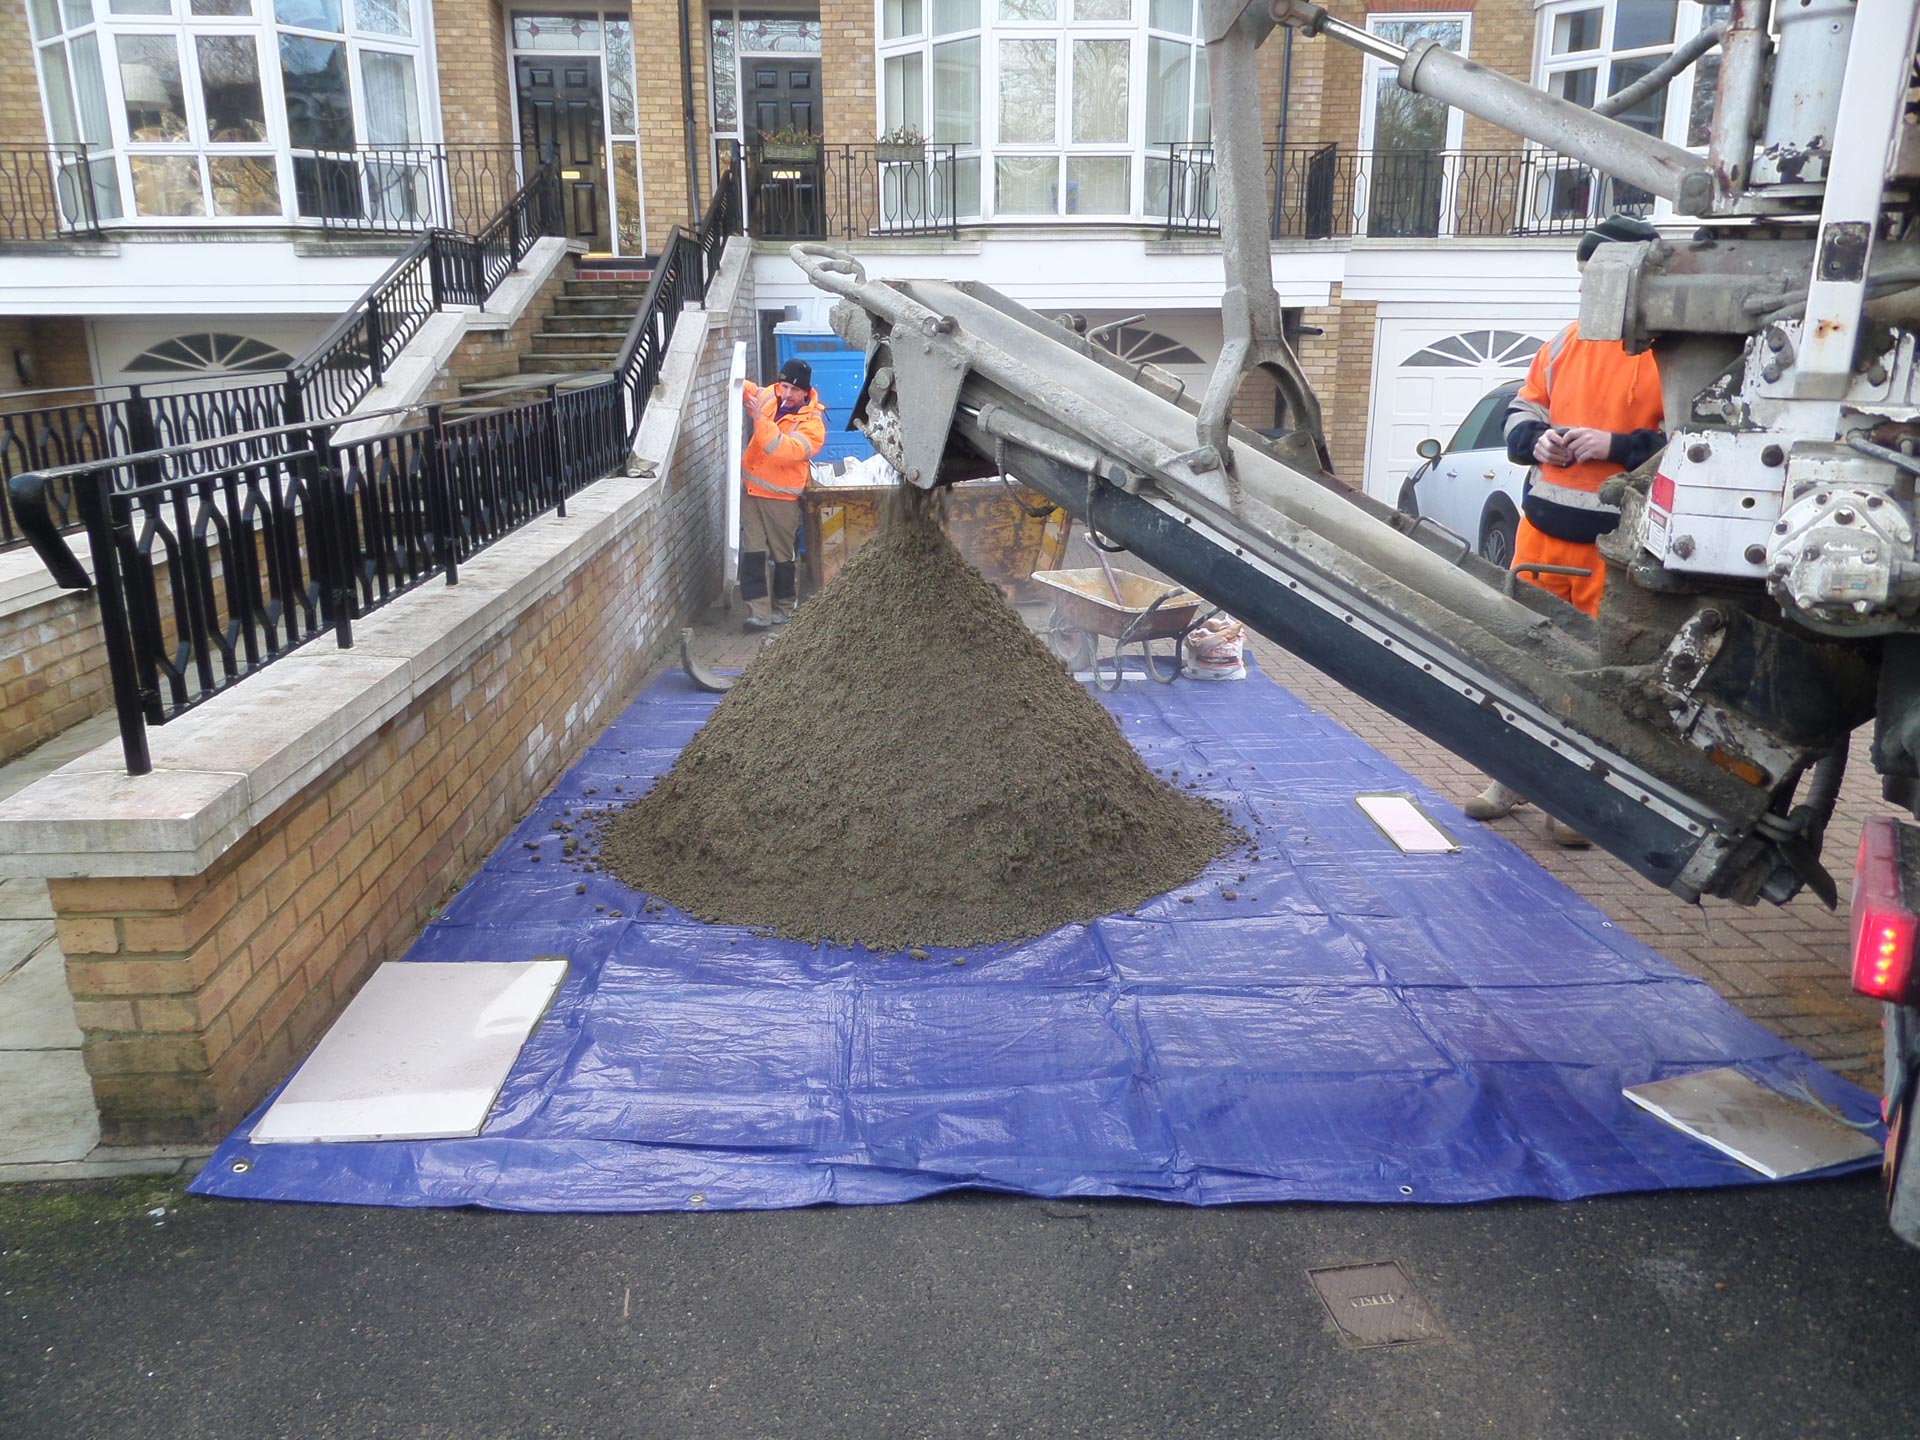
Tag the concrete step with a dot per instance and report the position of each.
(588, 324)
(541, 362)
(563, 342)
(518, 389)
(596, 305)
(634, 288)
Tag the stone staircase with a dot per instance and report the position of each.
(580, 340)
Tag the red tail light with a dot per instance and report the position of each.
(1662, 497)
(1883, 924)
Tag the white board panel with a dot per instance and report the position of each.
(1402, 821)
(419, 1054)
(1759, 1127)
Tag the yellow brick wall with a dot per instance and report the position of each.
(21, 118)
(53, 671)
(849, 91)
(658, 116)
(470, 42)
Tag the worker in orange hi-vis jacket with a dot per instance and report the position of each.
(1587, 411)
(787, 427)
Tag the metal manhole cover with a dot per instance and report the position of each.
(1376, 1305)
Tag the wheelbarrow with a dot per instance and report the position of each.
(1117, 605)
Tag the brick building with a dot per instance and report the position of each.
(208, 183)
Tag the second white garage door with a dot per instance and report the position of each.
(1427, 374)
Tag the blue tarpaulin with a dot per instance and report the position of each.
(1356, 1025)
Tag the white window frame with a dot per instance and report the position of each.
(182, 26)
(1367, 172)
(1687, 22)
(1136, 31)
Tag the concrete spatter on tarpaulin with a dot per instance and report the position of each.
(1356, 1025)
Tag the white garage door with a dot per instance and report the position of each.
(1427, 375)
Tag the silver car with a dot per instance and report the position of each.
(1471, 487)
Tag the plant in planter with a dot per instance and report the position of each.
(789, 145)
(902, 143)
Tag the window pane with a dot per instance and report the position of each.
(166, 185)
(724, 76)
(956, 99)
(1650, 114)
(1100, 89)
(309, 14)
(1639, 23)
(383, 17)
(1574, 85)
(223, 7)
(1167, 62)
(905, 91)
(619, 40)
(78, 12)
(319, 112)
(393, 112)
(1706, 82)
(1202, 97)
(1027, 93)
(141, 7)
(1026, 185)
(1575, 32)
(1097, 185)
(156, 101)
(244, 184)
(899, 17)
(53, 65)
(46, 18)
(965, 183)
(1103, 9)
(1027, 10)
(90, 91)
(1174, 15)
(230, 84)
(952, 15)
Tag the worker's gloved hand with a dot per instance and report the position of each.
(1586, 443)
(1551, 449)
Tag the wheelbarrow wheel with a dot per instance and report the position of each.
(1071, 646)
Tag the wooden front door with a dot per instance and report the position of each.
(560, 105)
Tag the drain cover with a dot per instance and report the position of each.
(1376, 1305)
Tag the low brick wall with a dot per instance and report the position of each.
(217, 914)
(53, 670)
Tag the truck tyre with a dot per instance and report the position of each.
(1901, 1167)
(1498, 525)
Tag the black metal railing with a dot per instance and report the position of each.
(397, 188)
(215, 556)
(209, 566)
(683, 274)
(831, 192)
(1327, 192)
(50, 192)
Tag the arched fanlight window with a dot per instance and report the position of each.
(1476, 348)
(208, 353)
(1137, 344)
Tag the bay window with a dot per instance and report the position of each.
(236, 109)
(1591, 49)
(1057, 108)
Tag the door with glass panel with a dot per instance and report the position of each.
(781, 96)
(1403, 185)
(560, 105)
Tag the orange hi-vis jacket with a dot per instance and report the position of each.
(775, 460)
(1590, 383)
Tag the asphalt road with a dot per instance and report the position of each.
(1779, 1311)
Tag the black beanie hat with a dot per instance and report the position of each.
(1614, 227)
(797, 372)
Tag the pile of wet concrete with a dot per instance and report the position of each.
(908, 766)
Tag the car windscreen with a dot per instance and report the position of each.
(1485, 427)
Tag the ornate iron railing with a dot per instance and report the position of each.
(389, 188)
(832, 192)
(682, 275)
(1326, 192)
(212, 560)
(214, 556)
(48, 192)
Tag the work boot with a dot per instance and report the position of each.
(756, 622)
(1496, 802)
(1563, 834)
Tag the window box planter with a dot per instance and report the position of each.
(895, 152)
(790, 150)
